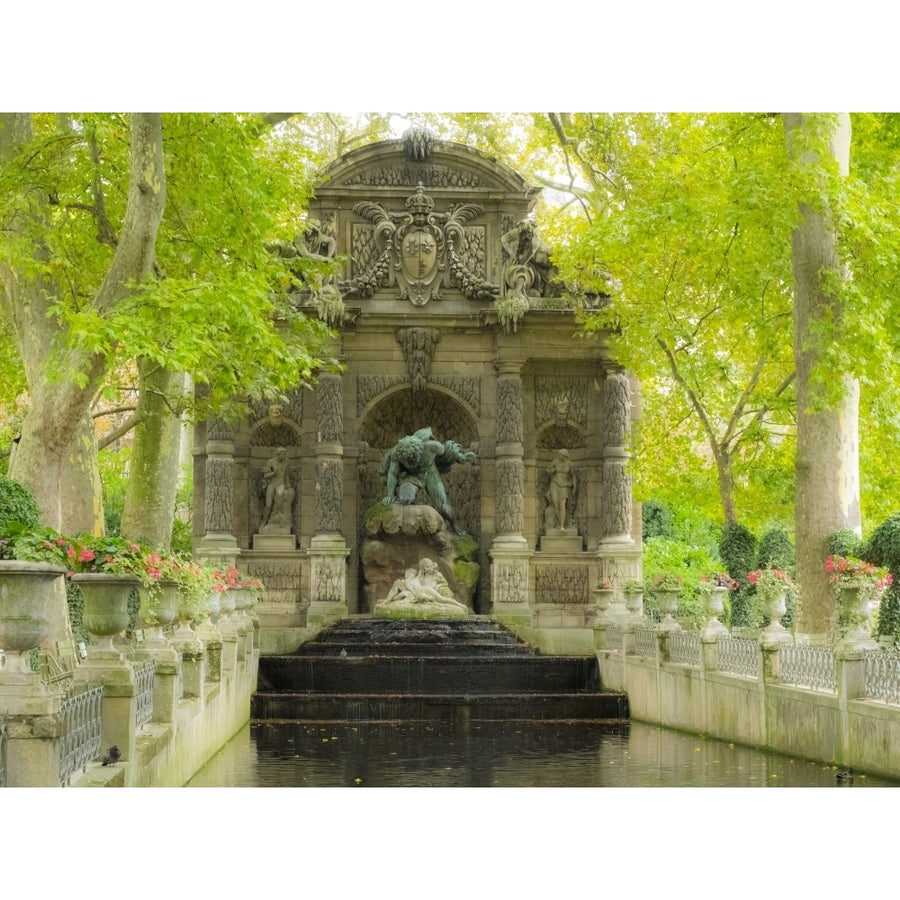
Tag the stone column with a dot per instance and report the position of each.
(218, 542)
(618, 556)
(328, 549)
(510, 555)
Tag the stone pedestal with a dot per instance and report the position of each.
(193, 668)
(510, 583)
(119, 709)
(561, 540)
(34, 730)
(278, 543)
(327, 579)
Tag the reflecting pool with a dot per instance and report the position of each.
(503, 754)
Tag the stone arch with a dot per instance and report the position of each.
(403, 412)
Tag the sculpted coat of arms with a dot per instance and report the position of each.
(419, 251)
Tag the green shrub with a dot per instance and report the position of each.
(690, 562)
(777, 552)
(883, 549)
(845, 543)
(17, 505)
(738, 548)
(656, 520)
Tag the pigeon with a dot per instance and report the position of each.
(343, 652)
(113, 755)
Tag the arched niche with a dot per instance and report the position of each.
(404, 412)
(561, 436)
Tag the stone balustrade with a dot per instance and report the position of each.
(168, 707)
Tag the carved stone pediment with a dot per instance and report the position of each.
(418, 251)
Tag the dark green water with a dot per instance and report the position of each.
(523, 755)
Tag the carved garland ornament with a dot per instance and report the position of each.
(418, 251)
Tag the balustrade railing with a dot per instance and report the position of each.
(613, 636)
(80, 712)
(684, 648)
(812, 667)
(2, 754)
(883, 676)
(143, 677)
(739, 656)
(645, 642)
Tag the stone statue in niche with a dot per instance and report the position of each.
(276, 515)
(417, 461)
(422, 591)
(562, 487)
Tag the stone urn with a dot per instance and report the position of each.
(775, 606)
(715, 605)
(668, 606)
(855, 606)
(634, 603)
(25, 589)
(214, 606)
(105, 605)
(603, 597)
(159, 607)
(228, 604)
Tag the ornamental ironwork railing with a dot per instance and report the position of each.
(645, 642)
(684, 648)
(2, 754)
(811, 667)
(882, 676)
(739, 656)
(80, 712)
(613, 637)
(143, 677)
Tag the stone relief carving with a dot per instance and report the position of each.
(328, 581)
(509, 509)
(330, 410)
(616, 409)
(418, 345)
(219, 509)
(528, 269)
(616, 505)
(317, 243)
(402, 412)
(510, 421)
(511, 582)
(368, 387)
(277, 413)
(560, 399)
(466, 387)
(562, 584)
(430, 175)
(418, 251)
(554, 436)
(282, 580)
(218, 430)
(329, 495)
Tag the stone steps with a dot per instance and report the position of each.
(370, 669)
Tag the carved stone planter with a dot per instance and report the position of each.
(603, 599)
(668, 606)
(105, 605)
(715, 604)
(775, 607)
(159, 607)
(24, 593)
